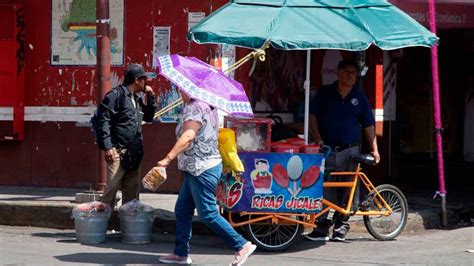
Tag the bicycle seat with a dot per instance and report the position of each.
(368, 159)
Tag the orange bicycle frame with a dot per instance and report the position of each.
(309, 220)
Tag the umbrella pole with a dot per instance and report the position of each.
(258, 53)
(437, 114)
(306, 95)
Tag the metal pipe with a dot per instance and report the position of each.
(307, 88)
(103, 70)
(437, 113)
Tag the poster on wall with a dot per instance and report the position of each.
(194, 18)
(161, 42)
(73, 33)
(161, 46)
(228, 57)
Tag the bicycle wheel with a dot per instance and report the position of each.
(387, 227)
(273, 237)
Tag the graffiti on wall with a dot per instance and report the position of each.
(165, 98)
(20, 39)
(73, 38)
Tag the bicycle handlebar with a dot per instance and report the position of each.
(368, 159)
(326, 150)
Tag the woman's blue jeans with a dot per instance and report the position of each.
(200, 192)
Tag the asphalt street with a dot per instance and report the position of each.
(34, 246)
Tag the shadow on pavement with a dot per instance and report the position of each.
(43, 192)
(161, 244)
(200, 244)
(109, 258)
(56, 235)
(26, 198)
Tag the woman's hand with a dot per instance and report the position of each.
(164, 162)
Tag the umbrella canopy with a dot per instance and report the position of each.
(312, 24)
(205, 83)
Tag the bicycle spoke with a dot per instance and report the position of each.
(274, 236)
(387, 227)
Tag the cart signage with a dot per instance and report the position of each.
(274, 182)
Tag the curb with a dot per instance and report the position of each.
(48, 216)
(59, 217)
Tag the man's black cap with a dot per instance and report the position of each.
(347, 62)
(135, 71)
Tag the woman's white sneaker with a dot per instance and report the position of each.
(175, 259)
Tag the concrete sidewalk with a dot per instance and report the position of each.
(51, 208)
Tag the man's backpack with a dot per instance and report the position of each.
(94, 123)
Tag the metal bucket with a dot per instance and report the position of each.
(136, 227)
(91, 230)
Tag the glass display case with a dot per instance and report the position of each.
(252, 134)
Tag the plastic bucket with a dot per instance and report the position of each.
(285, 147)
(310, 149)
(136, 227)
(296, 141)
(91, 229)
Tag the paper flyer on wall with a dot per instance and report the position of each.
(161, 42)
(194, 18)
(228, 57)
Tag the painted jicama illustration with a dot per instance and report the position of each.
(74, 39)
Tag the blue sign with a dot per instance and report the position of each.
(275, 182)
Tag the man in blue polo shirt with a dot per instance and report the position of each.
(338, 114)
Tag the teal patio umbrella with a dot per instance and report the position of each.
(352, 25)
(310, 24)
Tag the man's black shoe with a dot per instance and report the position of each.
(339, 239)
(317, 236)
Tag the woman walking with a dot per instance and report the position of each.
(199, 159)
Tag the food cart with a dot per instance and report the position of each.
(279, 195)
(278, 185)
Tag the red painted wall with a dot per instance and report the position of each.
(62, 154)
(51, 85)
(449, 14)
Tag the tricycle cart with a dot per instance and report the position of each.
(279, 195)
(279, 198)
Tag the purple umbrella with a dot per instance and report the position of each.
(205, 83)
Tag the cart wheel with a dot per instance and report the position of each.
(387, 227)
(273, 237)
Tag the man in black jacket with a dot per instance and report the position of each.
(119, 132)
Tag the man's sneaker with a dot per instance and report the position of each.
(242, 255)
(317, 236)
(175, 259)
(339, 239)
(307, 230)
